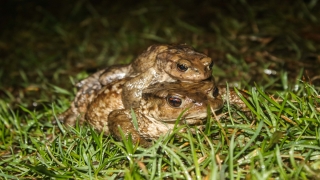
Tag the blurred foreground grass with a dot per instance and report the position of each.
(269, 48)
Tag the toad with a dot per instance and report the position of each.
(159, 63)
(158, 109)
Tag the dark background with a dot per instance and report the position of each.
(46, 45)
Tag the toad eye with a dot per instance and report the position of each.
(182, 67)
(215, 92)
(174, 101)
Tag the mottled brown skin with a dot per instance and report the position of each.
(159, 63)
(77, 110)
(107, 100)
(155, 115)
(103, 77)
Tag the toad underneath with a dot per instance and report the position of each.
(158, 109)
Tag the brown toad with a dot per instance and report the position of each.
(158, 109)
(159, 63)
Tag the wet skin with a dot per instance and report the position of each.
(159, 63)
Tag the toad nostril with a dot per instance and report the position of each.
(211, 65)
(215, 92)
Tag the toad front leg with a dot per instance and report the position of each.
(132, 89)
(122, 119)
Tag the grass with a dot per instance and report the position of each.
(274, 56)
(283, 142)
